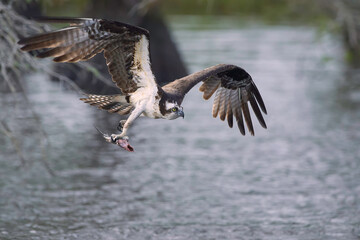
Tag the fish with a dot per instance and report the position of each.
(121, 142)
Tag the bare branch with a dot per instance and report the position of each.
(6, 130)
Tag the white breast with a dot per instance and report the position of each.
(145, 96)
(152, 109)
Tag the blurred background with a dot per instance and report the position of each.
(193, 178)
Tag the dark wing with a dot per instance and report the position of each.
(234, 88)
(126, 48)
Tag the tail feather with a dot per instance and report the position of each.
(110, 103)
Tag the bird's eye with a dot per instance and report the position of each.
(174, 109)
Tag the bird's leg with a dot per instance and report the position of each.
(121, 125)
(134, 115)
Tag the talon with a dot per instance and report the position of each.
(113, 139)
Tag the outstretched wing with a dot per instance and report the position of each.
(234, 88)
(126, 48)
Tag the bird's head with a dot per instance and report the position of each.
(173, 111)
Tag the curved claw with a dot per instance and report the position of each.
(115, 137)
(118, 140)
(122, 142)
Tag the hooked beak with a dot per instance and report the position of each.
(181, 113)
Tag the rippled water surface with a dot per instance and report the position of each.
(196, 178)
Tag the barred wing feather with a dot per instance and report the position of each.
(233, 88)
(125, 48)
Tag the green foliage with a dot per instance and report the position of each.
(69, 8)
(272, 11)
(268, 10)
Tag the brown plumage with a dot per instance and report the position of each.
(110, 103)
(126, 52)
(234, 88)
(88, 37)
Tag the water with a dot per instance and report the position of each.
(196, 178)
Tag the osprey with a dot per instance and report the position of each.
(126, 50)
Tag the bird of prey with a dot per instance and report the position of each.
(126, 50)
